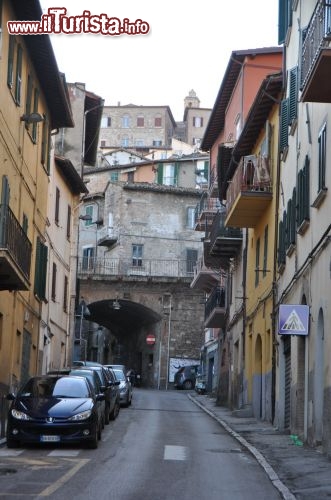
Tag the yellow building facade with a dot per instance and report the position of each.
(32, 104)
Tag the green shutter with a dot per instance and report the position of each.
(35, 110)
(160, 173)
(306, 189)
(284, 19)
(176, 172)
(18, 78)
(284, 124)
(40, 270)
(293, 94)
(10, 66)
(28, 97)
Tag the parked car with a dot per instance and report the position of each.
(86, 363)
(185, 377)
(110, 387)
(55, 409)
(125, 386)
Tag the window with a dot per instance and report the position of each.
(34, 125)
(191, 259)
(158, 121)
(284, 121)
(293, 94)
(114, 176)
(265, 251)
(68, 222)
(321, 158)
(57, 205)
(130, 176)
(284, 19)
(190, 217)
(257, 261)
(45, 145)
(40, 270)
(65, 294)
(54, 273)
(28, 102)
(103, 144)
(25, 223)
(238, 127)
(88, 258)
(167, 174)
(10, 63)
(139, 143)
(125, 142)
(106, 122)
(197, 121)
(290, 227)
(125, 121)
(89, 211)
(18, 77)
(157, 142)
(303, 195)
(140, 121)
(137, 254)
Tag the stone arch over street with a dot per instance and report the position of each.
(119, 315)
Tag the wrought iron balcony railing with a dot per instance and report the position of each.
(315, 58)
(157, 268)
(14, 243)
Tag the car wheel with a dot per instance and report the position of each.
(92, 444)
(188, 384)
(114, 414)
(107, 420)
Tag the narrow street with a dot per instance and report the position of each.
(161, 448)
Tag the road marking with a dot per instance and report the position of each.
(10, 453)
(57, 484)
(175, 452)
(63, 453)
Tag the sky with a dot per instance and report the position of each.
(187, 47)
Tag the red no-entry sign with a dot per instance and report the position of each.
(150, 339)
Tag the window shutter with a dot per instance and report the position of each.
(40, 270)
(206, 170)
(10, 66)
(191, 259)
(176, 172)
(293, 94)
(18, 79)
(160, 173)
(306, 189)
(284, 124)
(284, 19)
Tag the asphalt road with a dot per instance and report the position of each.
(163, 447)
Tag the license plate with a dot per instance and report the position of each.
(49, 439)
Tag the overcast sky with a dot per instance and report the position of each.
(188, 47)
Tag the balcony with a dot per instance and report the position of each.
(144, 269)
(225, 242)
(316, 56)
(204, 278)
(107, 237)
(205, 211)
(249, 193)
(215, 308)
(15, 252)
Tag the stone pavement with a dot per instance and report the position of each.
(297, 471)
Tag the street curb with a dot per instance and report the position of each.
(279, 485)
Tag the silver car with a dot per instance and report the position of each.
(125, 386)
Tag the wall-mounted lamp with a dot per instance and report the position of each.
(32, 118)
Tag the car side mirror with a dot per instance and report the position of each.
(10, 396)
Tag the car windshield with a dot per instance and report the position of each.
(119, 375)
(52, 387)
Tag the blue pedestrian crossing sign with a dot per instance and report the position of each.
(293, 319)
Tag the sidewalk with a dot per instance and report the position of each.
(297, 471)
